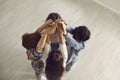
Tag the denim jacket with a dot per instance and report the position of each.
(75, 47)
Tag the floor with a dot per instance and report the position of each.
(100, 60)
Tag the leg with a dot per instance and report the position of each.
(38, 67)
(72, 60)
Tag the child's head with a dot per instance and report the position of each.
(53, 16)
(81, 33)
(54, 66)
(30, 40)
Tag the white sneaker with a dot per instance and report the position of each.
(43, 78)
(37, 75)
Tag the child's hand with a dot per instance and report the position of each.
(31, 57)
(49, 30)
(48, 22)
(59, 20)
(60, 31)
(63, 26)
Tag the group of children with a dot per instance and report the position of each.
(54, 46)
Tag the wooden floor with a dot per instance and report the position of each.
(99, 61)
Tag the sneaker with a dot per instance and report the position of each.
(37, 75)
(68, 66)
(43, 78)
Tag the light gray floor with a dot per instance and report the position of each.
(99, 61)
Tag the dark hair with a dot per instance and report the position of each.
(81, 33)
(54, 66)
(30, 40)
(53, 16)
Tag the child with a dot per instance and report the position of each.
(56, 51)
(57, 57)
(40, 37)
(76, 42)
(51, 21)
(29, 41)
(54, 66)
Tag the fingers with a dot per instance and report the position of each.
(52, 26)
(61, 28)
(49, 21)
(49, 31)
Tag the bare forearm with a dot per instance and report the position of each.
(48, 39)
(62, 40)
(41, 43)
(40, 29)
(44, 26)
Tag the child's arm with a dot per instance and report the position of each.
(62, 25)
(60, 34)
(41, 43)
(73, 43)
(62, 48)
(64, 28)
(44, 26)
(44, 37)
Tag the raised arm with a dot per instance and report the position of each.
(62, 48)
(73, 43)
(44, 35)
(44, 26)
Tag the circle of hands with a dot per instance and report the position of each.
(54, 27)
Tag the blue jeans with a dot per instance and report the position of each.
(54, 46)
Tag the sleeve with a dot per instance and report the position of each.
(73, 43)
(46, 52)
(63, 50)
(69, 28)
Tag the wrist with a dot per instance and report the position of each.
(37, 52)
(65, 34)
